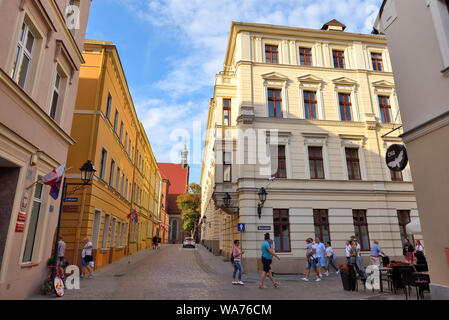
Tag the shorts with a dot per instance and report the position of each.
(321, 262)
(84, 263)
(311, 263)
(266, 264)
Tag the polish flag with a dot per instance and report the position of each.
(54, 180)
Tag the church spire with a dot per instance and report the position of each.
(184, 155)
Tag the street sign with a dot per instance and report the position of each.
(241, 227)
(71, 199)
(396, 157)
(267, 228)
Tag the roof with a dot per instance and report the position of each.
(333, 22)
(178, 178)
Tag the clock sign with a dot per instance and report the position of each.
(396, 157)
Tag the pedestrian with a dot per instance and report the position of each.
(311, 260)
(61, 260)
(154, 242)
(358, 257)
(237, 254)
(348, 252)
(419, 247)
(354, 261)
(330, 258)
(376, 251)
(267, 258)
(320, 252)
(408, 251)
(158, 242)
(86, 255)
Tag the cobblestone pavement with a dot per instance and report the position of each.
(174, 273)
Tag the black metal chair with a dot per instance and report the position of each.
(410, 279)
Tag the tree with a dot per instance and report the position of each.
(189, 203)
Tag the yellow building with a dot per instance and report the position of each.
(107, 132)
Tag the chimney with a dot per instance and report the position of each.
(333, 25)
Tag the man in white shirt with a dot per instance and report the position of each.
(348, 252)
(86, 255)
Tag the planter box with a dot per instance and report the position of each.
(349, 282)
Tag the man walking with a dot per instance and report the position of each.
(267, 259)
(375, 252)
(320, 250)
(311, 260)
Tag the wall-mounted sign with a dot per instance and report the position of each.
(52, 208)
(21, 217)
(266, 228)
(24, 202)
(396, 157)
(241, 227)
(71, 199)
(69, 208)
(20, 227)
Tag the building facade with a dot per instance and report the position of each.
(40, 58)
(304, 114)
(108, 132)
(175, 182)
(422, 90)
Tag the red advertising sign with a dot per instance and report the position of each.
(20, 227)
(22, 217)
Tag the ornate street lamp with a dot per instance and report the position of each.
(87, 173)
(227, 200)
(262, 197)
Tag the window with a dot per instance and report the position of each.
(121, 184)
(226, 112)
(352, 161)
(55, 98)
(271, 54)
(129, 148)
(376, 59)
(281, 162)
(111, 244)
(111, 173)
(305, 56)
(344, 100)
(385, 109)
(396, 176)
(121, 132)
(227, 166)
(23, 56)
(281, 227)
(96, 229)
(104, 244)
(316, 163)
(116, 121)
(404, 219)
(126, 142)
(104, 157)
(321, 223)
(117, 181)
(126, 190)
(310, 103)
(339, 59)
(274, 103)
(118, 242)
(109, 107)
(33, 223)
(361, 229)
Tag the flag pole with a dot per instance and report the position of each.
(40, 179)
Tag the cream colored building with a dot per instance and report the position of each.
(41, 44)
(310, 107)
(422, 86)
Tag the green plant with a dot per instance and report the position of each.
(47, 287)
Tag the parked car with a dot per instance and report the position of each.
(188, 242)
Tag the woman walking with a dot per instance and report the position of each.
(408, 252)
(237, 254)
(330, 258)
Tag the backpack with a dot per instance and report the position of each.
(232, 256)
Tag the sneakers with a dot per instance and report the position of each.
(338, 272)
(318, 279)
(327, 273)
(240, 283)
(305, 279)
(234, 282)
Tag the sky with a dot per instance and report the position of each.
(171, 51)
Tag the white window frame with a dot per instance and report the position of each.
(20, 51)
(280, 85)
(347, 86)
(440, 17)
(96, 229)
(311, 83)
(388, 90)
(105, 242)
(273, 42)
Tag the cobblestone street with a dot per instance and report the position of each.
(174, 273)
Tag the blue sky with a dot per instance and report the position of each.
(172, 49)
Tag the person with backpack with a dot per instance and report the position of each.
(330, 258)
(236, 258)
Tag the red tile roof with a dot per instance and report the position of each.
(179, 181)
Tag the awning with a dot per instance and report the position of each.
(414, 226)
